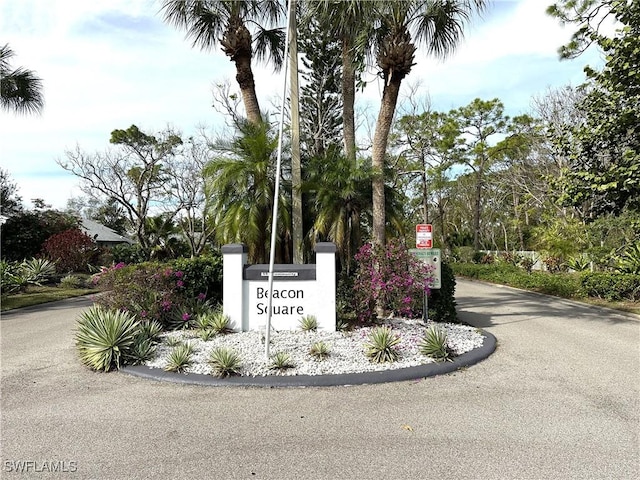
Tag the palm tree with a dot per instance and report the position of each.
(241, 182)
(341, 192)
(20, 89)
(438, 25)
(227, 22)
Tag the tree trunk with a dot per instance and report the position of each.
(348, 101)
(380, 138)
(477, 211)
(244, 77)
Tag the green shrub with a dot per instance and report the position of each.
(104, 338)
(203, 276)
(319, 350)
(71, 281)
(225, 362)
(215, 321)
(143, 349)
(629, 260)
(442, 301)
(434, 344)
(611, 286)
(308, 323)
(281, 361)
(381, 345)
(126, 253)
(180, 358)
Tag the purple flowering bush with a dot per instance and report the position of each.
(391, 276)
(150, 291)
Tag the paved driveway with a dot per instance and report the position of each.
(557, 400)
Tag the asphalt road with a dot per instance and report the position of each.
(559, 399)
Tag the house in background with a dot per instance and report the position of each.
(103, 236)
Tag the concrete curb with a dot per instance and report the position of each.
(398, 375)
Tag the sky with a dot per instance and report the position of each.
(108, 64)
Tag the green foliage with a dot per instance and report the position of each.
(319, 350)
(225, 362)
(281, 361)
(560, 284)
(150, 329)
(611, 286)
(381, 345)
(71, 281)
(180, 358)
(129, 254)
(16, 277)
(442, 301)
(434, 344)
(629, 260)
(308, 323)
(104, 338)
(142, 350)
(215, 322)
(579, 263)
(204, 275)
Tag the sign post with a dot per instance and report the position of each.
(430, 256)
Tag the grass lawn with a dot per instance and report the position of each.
(38, 295)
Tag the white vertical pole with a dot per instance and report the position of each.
(274, 220)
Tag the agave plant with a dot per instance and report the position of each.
(381, 345)
(281, 361)
(215, 321)
(105, 337)
(434, 344)
(319, 350)
(143, 349)
(180, 358)
(629, 260)
(150, 330)
(225, 362)
(308, 323)
(38, 269)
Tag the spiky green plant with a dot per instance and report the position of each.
(225, 362)
(381, 344)
(281, 361)
(71, 281)
(104, 337)
(180, 358)
(221, 323)
(143, 349)
(150, 329)
(308, 323)
(173, 341)
(206, 334)
(38, 269)
(434, 344)
(319, 350)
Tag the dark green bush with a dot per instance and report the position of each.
(442, 302)
(611, 286)
(203, 275)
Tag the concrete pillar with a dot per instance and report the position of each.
(234, 258)
(326, 285)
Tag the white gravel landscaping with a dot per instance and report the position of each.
(346, 349)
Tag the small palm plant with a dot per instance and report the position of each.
(225, 362)
(180, 358)
(381, 345)
(319, 350)
(308, 323)
(281, 361)
(434, 344)
(105, 337)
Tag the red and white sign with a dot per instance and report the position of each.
(424, 235)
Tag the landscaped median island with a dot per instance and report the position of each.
(347, 350)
